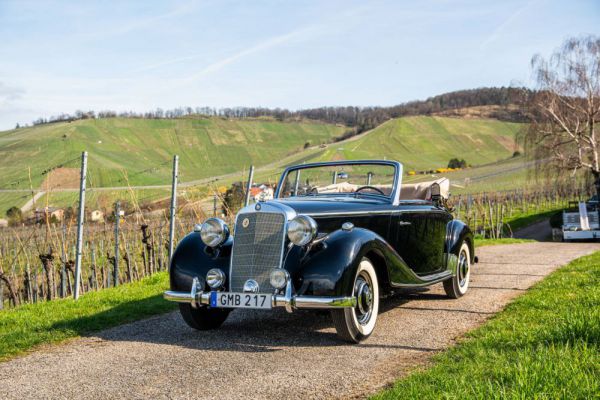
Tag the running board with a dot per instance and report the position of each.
(451, 261)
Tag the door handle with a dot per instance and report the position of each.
(404, 223)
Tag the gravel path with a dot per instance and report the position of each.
(540, 231)
(278, 355)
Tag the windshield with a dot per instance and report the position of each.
(345, 179)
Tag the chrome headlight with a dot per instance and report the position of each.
(301, 230)
(215, 278)
(214, 231)
(279, 278)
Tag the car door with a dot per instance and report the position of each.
(420, 236)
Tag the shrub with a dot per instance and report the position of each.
(14, 215)
(234, 196)
(456, 163)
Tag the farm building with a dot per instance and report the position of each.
(97, 216)
(261, 193)
(51, 213)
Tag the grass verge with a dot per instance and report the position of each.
(521, 221)
(544, 345)
(31, 325)
(492, 242)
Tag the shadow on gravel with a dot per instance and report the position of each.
(497, 288)
(509, 274)
(123, 313)
(253, 331)
(452, 310)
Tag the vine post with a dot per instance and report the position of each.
(117, 222)
(80, 219)
(173, 206)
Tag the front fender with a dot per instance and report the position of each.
(329, 267)
(193, 258)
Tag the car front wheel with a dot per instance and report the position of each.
(203, 318)
(356, 324)
(458, 285)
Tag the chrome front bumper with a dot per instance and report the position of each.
(197, 297)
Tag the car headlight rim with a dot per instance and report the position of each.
(279, 278)
(215, 278)
(214, 231)
(302, 230)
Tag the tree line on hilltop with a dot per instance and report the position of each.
(359, 118)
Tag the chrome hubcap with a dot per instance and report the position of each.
(463, 268)
(364, 298)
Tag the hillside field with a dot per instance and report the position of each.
(138, 152)
(144, 148)
(423, 143)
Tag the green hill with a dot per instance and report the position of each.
(142, 150)
(423, 143)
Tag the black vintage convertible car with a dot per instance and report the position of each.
(337, 236)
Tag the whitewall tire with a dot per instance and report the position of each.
(357, 324)
(458, 285)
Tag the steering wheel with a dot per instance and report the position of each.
(370, 187)
(312, 191)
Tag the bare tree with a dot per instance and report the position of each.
(566, 109)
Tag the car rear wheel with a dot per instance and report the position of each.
(458, 285)
(356, 324)
(203, 318)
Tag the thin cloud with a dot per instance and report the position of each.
(167, 62)
(216, 66)
(10, 93)
(139, 23)
(337, 22)
(267, 44)
(507, 22)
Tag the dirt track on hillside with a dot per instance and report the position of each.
(278, 355)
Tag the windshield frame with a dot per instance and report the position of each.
(393, 198)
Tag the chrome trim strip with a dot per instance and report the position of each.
(373, 212)
(344, 213)
(187, 297)
(178, 297)
(270, 206)
(321, 302)
(290, 304)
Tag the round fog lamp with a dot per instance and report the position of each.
(215, 278)
(279, 278)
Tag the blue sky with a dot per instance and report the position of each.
(60, 56)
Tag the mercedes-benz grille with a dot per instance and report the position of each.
(257, 249)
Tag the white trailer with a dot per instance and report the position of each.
(582, 225)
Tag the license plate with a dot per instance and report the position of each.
(239, 300)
